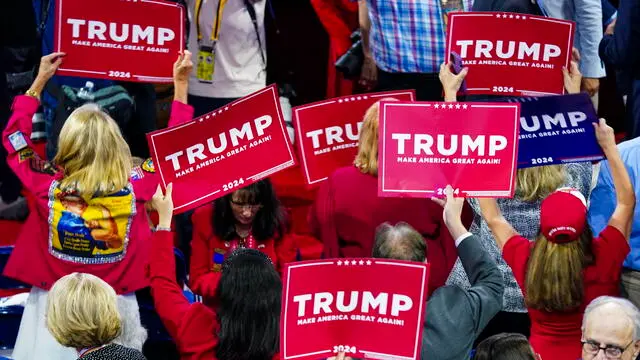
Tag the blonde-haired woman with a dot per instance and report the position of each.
(522, 211)
(82, 314)
(347, 210)
(88, 215)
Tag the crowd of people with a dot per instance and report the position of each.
(551, 273)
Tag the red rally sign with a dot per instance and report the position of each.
(120, 40)
(224, 150)
(511, 54)
(328, 131)
(425, 146)
(356, 306)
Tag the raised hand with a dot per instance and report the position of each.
(605, 135)
(48, 66)
(182, 67)
(163, 203)
(451, 82)
(572, 78)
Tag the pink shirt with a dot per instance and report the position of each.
(106, 236)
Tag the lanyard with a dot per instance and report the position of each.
(215, 31)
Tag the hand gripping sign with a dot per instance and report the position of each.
(224, 150)
(511, 54)
(557, 130)
(120, 40)
(356, 306)
(425, 146)
(328, 131)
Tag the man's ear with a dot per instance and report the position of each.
(636, 349)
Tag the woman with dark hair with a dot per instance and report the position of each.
(251, 218)
(244, 322)
(567, 267)
(505, 346)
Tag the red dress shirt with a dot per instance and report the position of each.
(31, 260)
(205, 270)
(557, 335)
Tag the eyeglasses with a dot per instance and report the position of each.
(610, 351)
(242, 206)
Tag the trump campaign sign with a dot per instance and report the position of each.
(356, 306)
(425, 146)
(132, 40)
(329, 131)
(224, 150)
(557, 130)
(511, 54)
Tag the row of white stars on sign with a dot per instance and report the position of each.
(450, 106)
(511, 16)
(353, 99)
(214, 113)
(353, 262)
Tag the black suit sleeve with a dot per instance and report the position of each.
(622, 49)
(487, 285)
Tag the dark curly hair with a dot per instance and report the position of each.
(270, 221)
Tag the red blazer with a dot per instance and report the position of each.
(340, 19)
(34, 260)
(348, 210)
(205, 272)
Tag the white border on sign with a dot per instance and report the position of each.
(453, 16)
(380, 262)
(268, 171)
(140, 77)
(514, 162)
(323, 103)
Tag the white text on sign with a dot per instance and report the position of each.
(120, 32)
(486, 49)
(423, 143)
(324, 301)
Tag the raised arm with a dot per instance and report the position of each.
(369, 75)
(451, 82)
(500, 227)
(16, 136)
(625, 197)
(487, 286)
(168, 298)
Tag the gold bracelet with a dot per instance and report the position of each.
(33, 94)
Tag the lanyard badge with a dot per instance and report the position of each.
(206, 60)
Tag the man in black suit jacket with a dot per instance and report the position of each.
(454, 316)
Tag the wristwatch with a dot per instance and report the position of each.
(33, 94)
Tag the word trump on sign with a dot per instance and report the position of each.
(367, 314)
(557, 130)
(425, 146)
(224, 150)
(486, 49)
(329, 131)
(196, 152)
(467, 145)
(108, 31)
(527, 59)
(120, 32)
(323, 302)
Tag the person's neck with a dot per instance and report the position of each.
(243, 230)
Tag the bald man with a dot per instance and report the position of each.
(611, 329)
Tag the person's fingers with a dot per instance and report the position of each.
(574, 68)
(168, 191)
(448, 191)
(439, 201)
(52, 56)
(463, 73)
(158, 192)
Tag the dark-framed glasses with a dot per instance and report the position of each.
(610, 351)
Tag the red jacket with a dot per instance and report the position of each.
(193, 327)
(206, 270)
(107, 236)
(348, 210)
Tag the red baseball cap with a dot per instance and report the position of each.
(564, 212)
